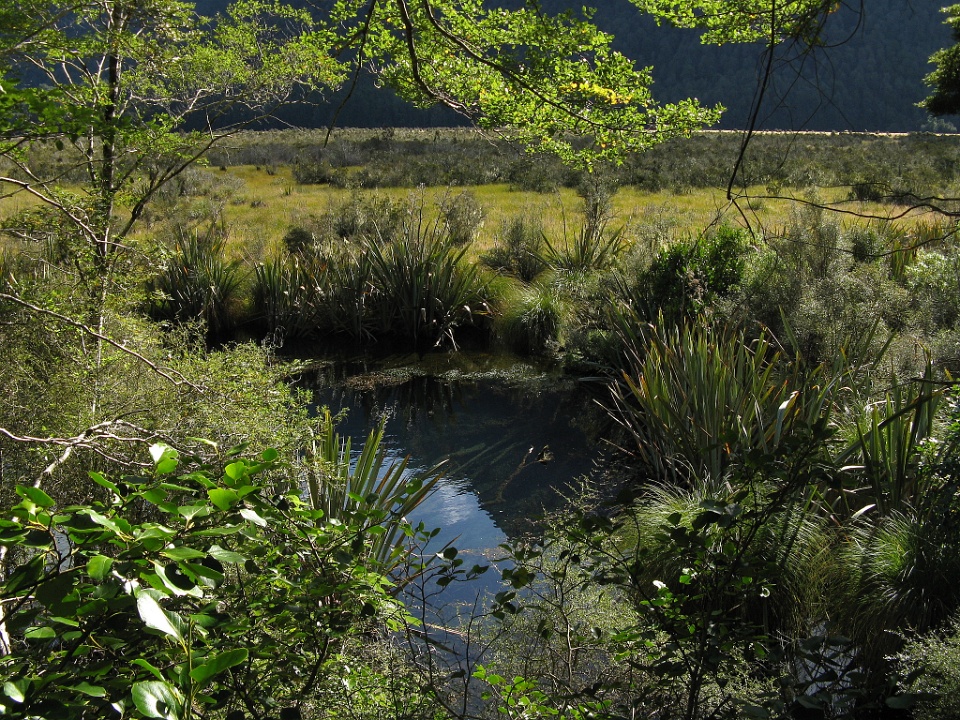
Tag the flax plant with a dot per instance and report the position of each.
(423, 289)
(197, 282)
(282, 299)
(341, 484)
(886, 454)
(694, 398)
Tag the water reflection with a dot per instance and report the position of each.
(512, 447)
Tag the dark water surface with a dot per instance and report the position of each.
(514, 438)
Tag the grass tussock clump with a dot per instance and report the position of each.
(532, 318)
(197, 282)
(405, 283)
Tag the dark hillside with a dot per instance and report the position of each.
(868, 76)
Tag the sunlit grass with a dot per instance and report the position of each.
(270, 204)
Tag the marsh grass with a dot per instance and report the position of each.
(531, 317)
(198, 282)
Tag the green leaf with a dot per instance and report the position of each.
(183, 553)
(189, 512)
(236, 470)
(155, 495)
(52, 591)
(269, 455)
(102, 520)
(40, 633)
(252, 516)
(88, 689)
(102, 481)
(165, 458)
(157, 618)
(217, 664)
(157, 699)
(175, 581)
(98, 567)
(223, 498)
(36, 495)
(225, 556)
(166, 466)
(158, 451)
(15, 691)
(901, 702)
(140, 662)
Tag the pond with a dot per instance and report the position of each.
(515, 437)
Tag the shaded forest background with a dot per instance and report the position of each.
(867, 76)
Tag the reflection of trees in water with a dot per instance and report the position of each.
(517, 445)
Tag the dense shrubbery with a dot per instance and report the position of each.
(889, 169)
(399, 280)
(203, 588)
(789, 514)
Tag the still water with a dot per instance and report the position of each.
(514, 440)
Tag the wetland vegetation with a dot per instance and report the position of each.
(779, 533)
(188, 532)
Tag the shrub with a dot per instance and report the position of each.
(298, 240)
(462, 217)
(232, 597)
(366, 216)
(197, 283)
(517, 247)
(691, 275)
(933, 280)
(929, 666)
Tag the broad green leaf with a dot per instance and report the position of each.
(155, 495)
(159, 450)
(98, 567)
(101, 480)
(217, 664)
(157, 699)
(175, 581)
(157, 618)
(104, 521)
(15, 691)
(189, 512)
(236, 470)
(165, 458)
(223, 498)
(183, 553)
(69, 622)
(140, 662)
(88, 689)
(208, 574)
(269, 455)
(40, 633)
(37, 495)
(225, 556)
(52, 591)
(166, 466)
